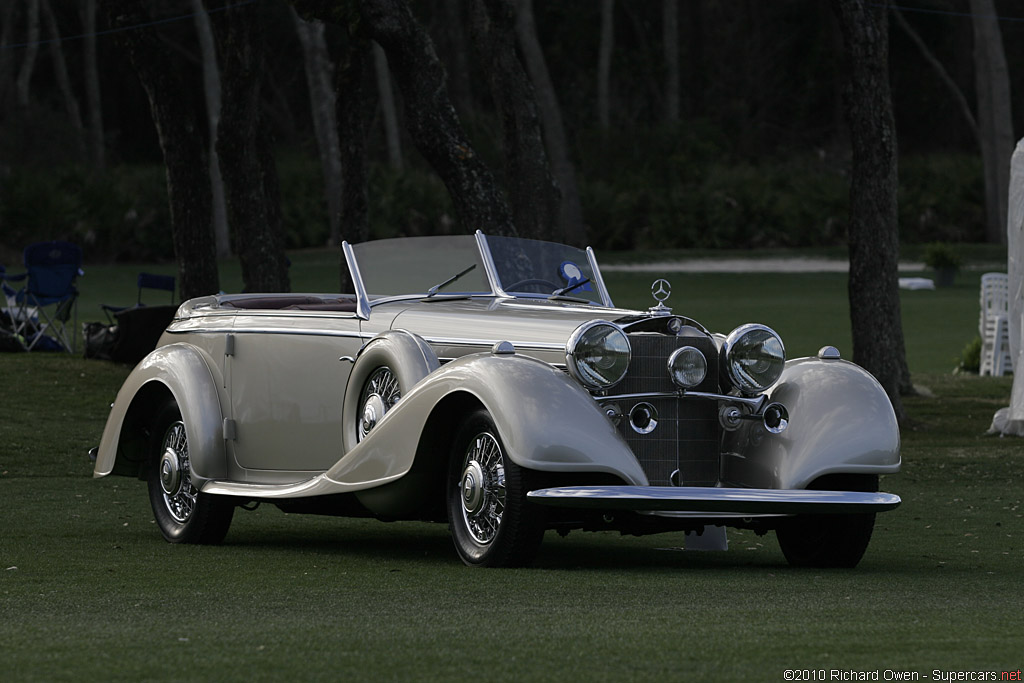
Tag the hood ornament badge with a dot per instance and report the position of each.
(661, 290)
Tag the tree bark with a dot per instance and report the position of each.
(670, 42)
(995, 124)
(429, 115)
(604, 63)
(177, 115)
(60, 74)
(354, 113)
(532, 192)
(28, 63)
(7, 56)
(91, 76)
(211, 88)
(387, 106)
(873, 230)
(320, 81)
(572, 229)
(431, 118)
(247, 160)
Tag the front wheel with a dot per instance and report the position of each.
(492, 523)
(825, 541)
(183, 514)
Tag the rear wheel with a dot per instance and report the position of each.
(492, 523)
(829, 540)
(183, 513)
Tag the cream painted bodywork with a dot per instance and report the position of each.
(263, 397)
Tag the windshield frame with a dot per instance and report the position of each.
(364, 303)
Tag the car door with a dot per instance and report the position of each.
(287, 384)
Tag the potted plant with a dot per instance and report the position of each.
(944, 260)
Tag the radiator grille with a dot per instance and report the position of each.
(688, 434)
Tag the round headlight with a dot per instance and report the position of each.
(597, 354)
(687, 367)
(754, 358)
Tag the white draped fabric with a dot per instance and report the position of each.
(1011, 420)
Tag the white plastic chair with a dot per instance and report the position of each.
(993, 325)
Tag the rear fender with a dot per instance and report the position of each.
(180, 371)
(840, 421)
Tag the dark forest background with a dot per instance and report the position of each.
(751, 151)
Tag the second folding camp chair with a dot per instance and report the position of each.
(144, 281)
(48, 300)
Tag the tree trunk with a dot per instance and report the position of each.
(429, 115)
(387, 106)
(431, 118)
(572, 229)
(354, 113)
(604, 63)
(455, 45)
(995, 124)
(670, 41)
(93, 101)
(320, 81)
(28, 64)
(535, 199)
(873, 231)
(211, 88)
(60, 73)
(7, 56)
(247, 160)
(177, 115)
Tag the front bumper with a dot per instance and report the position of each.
(715, 500)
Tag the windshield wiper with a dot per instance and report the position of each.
(438, 287)
(566, 290)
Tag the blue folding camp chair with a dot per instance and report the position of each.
(41, 309)
(145, 281)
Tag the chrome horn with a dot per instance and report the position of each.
(774, 417)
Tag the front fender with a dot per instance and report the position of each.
(545, 419)
(180, 370)
(840, 421)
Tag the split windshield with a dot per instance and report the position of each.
(454, 265)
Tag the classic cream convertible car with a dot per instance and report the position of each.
(490, 382)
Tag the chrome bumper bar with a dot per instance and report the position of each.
(715, 500)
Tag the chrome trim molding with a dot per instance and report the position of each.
(362, 299)
(308, 332)
(488, 343)
(713, 499)
(596, 277)
(490, 268)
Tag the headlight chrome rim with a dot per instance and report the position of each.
(687, 359)
(744, 339)
(611, 368)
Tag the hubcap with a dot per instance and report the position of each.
(472, 487)
(380, 395)
(175, 474)
(170, 472)
(482, 488)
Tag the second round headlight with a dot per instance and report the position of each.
(687, 367)
(597, 354)
(755, 358)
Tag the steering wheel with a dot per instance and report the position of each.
(533, 282)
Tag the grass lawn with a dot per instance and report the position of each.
(89, 590)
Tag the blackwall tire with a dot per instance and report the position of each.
(183, 514)
(829, 541)
(492, 523)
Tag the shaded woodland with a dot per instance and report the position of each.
(671, 123)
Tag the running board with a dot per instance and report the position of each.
(712, 499)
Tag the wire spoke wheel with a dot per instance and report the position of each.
(379, 395)
(483, 488)
(182, 513)
(492, 523)
(175, 473)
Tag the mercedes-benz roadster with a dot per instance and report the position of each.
(490, 383)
